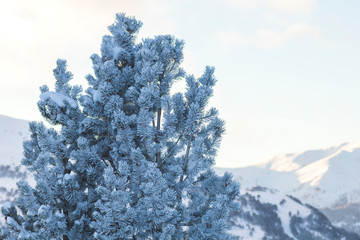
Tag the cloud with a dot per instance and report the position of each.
(287, 6)
(247, 4)
(266, 38)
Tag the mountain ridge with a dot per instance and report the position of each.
(324, 178)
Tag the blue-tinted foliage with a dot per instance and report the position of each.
(129, 161)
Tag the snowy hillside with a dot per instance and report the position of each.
(327, 179)
(347, 217)
(12, 133)
(323, 178)
(268, 214)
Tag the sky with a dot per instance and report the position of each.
(288, 71)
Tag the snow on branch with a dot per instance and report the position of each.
(59, 99)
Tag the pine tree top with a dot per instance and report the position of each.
(130, 160)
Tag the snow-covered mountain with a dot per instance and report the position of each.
(347, 217)
(323, 178)
(12, 133)
(268, 214)
(328, 179)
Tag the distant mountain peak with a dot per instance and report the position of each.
(293, 161)
(323, 178)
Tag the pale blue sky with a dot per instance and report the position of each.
(288, 71)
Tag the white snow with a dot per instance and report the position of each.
(8, 205)
(322, 178)
(58, 98)
(12, 134)
(286, 207)
(246, 231)
(116, 50)
(313, 173)
(68, 177)
(97, 96)
(9, 183)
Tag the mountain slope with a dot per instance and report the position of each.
(327, 179)
(268, 214)
(323, 178)
(12, 133)
(347, 217)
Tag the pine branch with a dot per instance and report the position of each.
(186, 160)
(173, 147)
(157, 160)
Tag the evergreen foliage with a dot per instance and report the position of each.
(129, 160)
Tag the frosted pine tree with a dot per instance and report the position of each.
(127, 160)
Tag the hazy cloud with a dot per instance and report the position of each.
(266, 38)
(288, 6)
